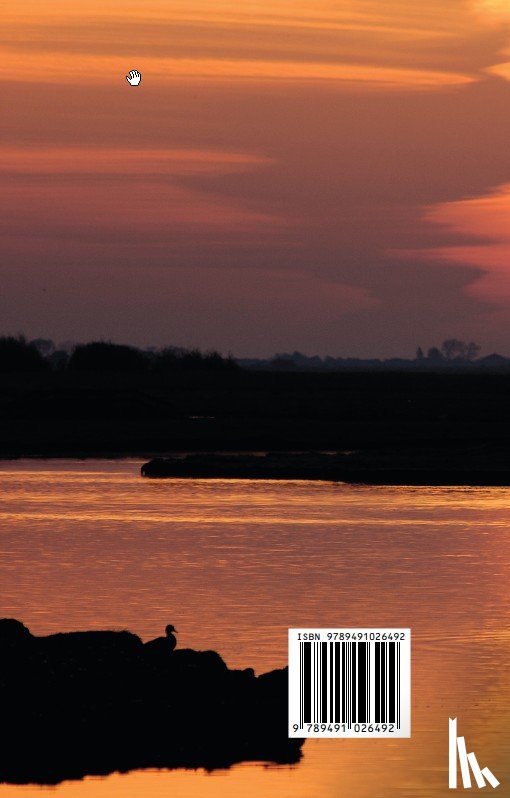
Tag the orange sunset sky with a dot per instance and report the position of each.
(329, 176)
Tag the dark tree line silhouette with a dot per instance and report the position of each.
(19, 355)
(452, 349)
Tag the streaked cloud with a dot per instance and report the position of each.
(85, 69)
(501, 70)
(388, 45)
(497, 10)
(120, 196)
(78, 160)
(479, 229)
(264, 188)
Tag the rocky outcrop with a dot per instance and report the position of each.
(91, 703)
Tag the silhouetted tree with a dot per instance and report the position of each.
(43, 345)
(17, 355)
(104, 356)
(172, 359)
(434, 354)
(208, 361)
(473, 350)
(165, 360)
(419, 354)
(453, 349)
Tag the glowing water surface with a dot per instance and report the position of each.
(90, 544)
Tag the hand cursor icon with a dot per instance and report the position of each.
(134, 77)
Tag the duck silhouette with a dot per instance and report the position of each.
(162, 646)
(170, 637)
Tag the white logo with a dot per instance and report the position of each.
(458, 744)
(134, 77)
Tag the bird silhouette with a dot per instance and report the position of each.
(162, 646)
(171, 638)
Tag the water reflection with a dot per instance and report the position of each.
(233, 564)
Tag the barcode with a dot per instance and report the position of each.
(349, 682)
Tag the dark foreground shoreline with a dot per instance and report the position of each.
(96, 414)
(94, 703)
(368, 468)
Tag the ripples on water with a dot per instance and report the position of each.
(233, 564)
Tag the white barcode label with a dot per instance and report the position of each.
(350, 683)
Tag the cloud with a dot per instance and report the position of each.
(122, 196)
(493, 10)
(501, 70)
(480, 239)
(253, 193)
(126, 161)
(48, 67)
(386, 45)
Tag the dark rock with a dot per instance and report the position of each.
(13, 631)
(91, 703)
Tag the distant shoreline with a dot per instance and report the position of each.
(387, 468)
(366, 468)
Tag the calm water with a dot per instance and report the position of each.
(233, 564)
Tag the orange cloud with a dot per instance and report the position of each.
(485, 223)
(385, 45)
(126, 161)
(120, 194)
(501, 70)
(62, 68)
(493, 9)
